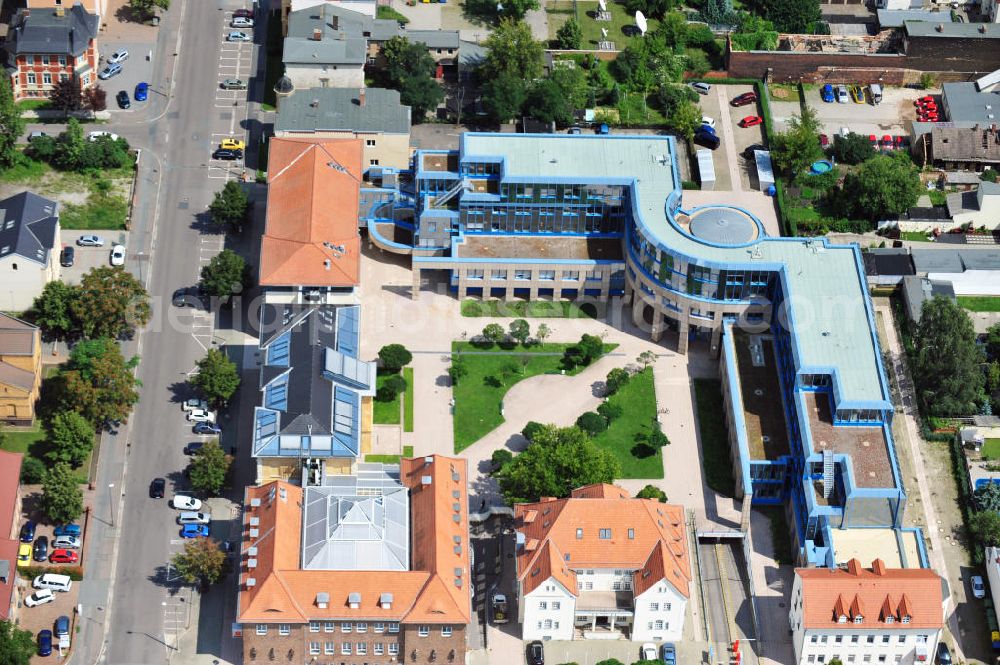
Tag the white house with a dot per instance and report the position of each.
(29, 232)
(866, 615)
(978, 208)
(602, 564)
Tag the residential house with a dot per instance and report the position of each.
(29, 238)
(918, 290)
(47, 45)
(601, 562)
(866, 615)
(973, 145)
(374, 115)
(977, 208)
(371, 568)
(367, 7)
(10, 517)
(20, 370)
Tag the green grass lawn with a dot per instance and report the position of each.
(101, 211)
(385, 413)
(980, 303)
(408, 400)
(914, 236)
(639, 402)
(390, 459)
(560, 11)
(34, 104)
(478, 394)
(20, 440)
(991, 449)
(386, 12)
(533, 309)
(714, 442)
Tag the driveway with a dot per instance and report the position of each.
(87, 258)
(893, 116)
(138, 67)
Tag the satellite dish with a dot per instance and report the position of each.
(604, 32)
(499, 8)
(640, 21)
(602, 5)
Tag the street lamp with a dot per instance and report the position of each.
(111, 503)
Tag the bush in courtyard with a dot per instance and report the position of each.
(592, 423)
(500, 458)
(394, 357)
(531, 429)
(33, 471)
(391, 388)
(652, 492)
(611, 411)
(616, 378)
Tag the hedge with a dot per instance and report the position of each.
(31, 572)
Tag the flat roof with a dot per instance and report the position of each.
(965, 103)
(540, 247)
(945, 29)
(838, 335)
(866, 446)
(767, 434)
(894, 18)
(340, 109)
(897, 548)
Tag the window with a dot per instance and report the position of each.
(555, 604)
(445, 631)
(654, 607)
(314, 626)
(45, 59)
(631, 534)
(658, 625)
(327, 626)
(423, 631)
(394, 627)
(589, 586)
(361, 627)
(547, 624)
(921, 639)
(362, 648)
(594, 274)
(870, 639)
(579, 534)
(62, 60)
(881, 658)
(284, 629)
(29, 59)
(906, 618)
(262, 629)
(346, 627)
(604, 534)
(838, 639)
(867, 658)
(63, 76)
(543, 605)
(666, 606)
(854, 639)
(571, 275)
(379, 627)
(393, 648)
(851, 658)
(31, 78)
(345, 648)
(885, 639)
(499, 274)
(314, 648)
(859, 619)
(330, 648)
(379, 649)
(812, 658)
(372, 162)
(902, 639)
(842, 618)
(547, 275)
(522, 274)
(46, 78)
(813, 639)
(370, 142)
(86, 79)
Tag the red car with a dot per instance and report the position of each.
(744, 99)
(873, 140)
(63, 556)
(923, 100)
(928, 118)
(243, 13)
(824, 140)
(886, 141)
(927, 108)
(899, 141)
(751, 121)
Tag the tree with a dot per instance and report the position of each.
(62, 500)
(987, 497)
(591, 346)
(52, 310)
(66, 95)
(95, 99)
(884, 185)
(504, 96)
(11, 124)
(685, 119)
(32, 470)
(652, 492)
(852, 149)
(146, 8)
(500, 458)
(494, 333)
(391, 388)
(217, 378)
(209, 467)
(98, 383)
(458, 370)
(985, 526)
(716, 11)
(531, 430)
(410, 69)
(520, 330)
(947, 374)
(611, 411)
(993, 342)
(508, 369)
(512, 50)
(557, 461)
(516, 9)
(673, 29)
(570, 35)
(592, 422)
(110, 302)
(69, 146)
(230, 205)
(224, 275)
(646, 358)
(651, 8)
(542, 332)
(791, 16)
(798, 147)
(16, 646)
(614, 381)
(394, 357)
(201, 562)
(655, 438)
(71, 438)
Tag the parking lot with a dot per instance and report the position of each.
(893, 116)
(138, 67)
(235, 62)
(732, 172)
(86, 258)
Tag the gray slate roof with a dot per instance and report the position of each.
(894, 18)
(328, 109)
(965, 103)
(936, 260)
(990, 31)
(918, 290)
(28, 225)
(41, 31)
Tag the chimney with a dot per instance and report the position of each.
(878, 567)
(361, 98)
(317, 35)
(854, 567)
(939, 27)
(59, 11)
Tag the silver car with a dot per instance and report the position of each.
(113, 69)
(90, 241)
(237, 36)
(118, 56)
(191, 517)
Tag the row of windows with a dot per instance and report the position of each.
(44, 60)
(46, 78)
(851, 658)
(330, 627)
(548, 624)
(658, 625)
(543, 605)
(525, 274)
(349, 649)
(869, 639)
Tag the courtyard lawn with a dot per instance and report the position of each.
(714, 443)
(22, 439)
(991, 450)
(408, 398)
(478, 394)
(622, 22)
(533, 309)
(980, 303)
(390, 459)
(639, 403)
(385, 413)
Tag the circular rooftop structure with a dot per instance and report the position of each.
(284, 85)
(723, 226)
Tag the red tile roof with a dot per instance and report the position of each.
(567, 532)
(312, 206)
(10, 474)
(873, 594)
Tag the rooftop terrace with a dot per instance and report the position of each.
(866, 446)
(540, 247)
(765, 420)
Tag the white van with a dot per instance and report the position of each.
(192, 517)
(701, 88)
(53, 582)
(876, 90)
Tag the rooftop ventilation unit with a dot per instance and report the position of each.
(251, 582)
(254, 521)
(254, 533)
(255, 503)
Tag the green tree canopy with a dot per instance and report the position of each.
(110, 302)
(201, 562)
(685, 119)
(16, 646)
(66, 95)
(512, 50)
(652, 492)
(209, 467)
(985, 526)
(651, 8)
(852, 149)
(217, 378)
(798, 147)
(516, 9)
(410, 69)
(11, 125)
(494, 332)
(548, 103)
(792, 16)
(53, 310)
(146, 8)
(225, 275)
(884, 185)
(394, 357)
(500, 458)
(62, 500)
(69, 146)
(987, 497)
(98, 383)
(993, 342)
(70, 438)
(615, 379)
(570, 35)
(557, 461)
(592, 422)
(504, 96)
(947, 371)
(230, 205)
(520, 330)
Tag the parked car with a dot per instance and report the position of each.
(193, 447)
(207, 428)
(228, 155)
(36, 135)
(744, 99)
(899, 141)
(701, 88)
(241, 22)
(943, 654)
(184, 502)
(200, 416)
(194, 531)
(707, 139)
(245, 13)
(24, 555)
(67, 530)
(708, 121)
(27, 532)
(574, 130)
(44, 641)
(858, 94)
(90, 241)
(232, 144)
(536, 653)
(63, 556)
(873, 140)
(237, 36)
(647, 651)
(669, 654)
(93, 136)
(233, 84)
(751, 121)
(61, 626)
(842, 96)
(123, 100)
(40, 551)
(187, 296)
(117, 255)
(66, 256)
(156, 488)
(192, 517)
(194, 403)
(887, 143)
(826, 92)
(707, 128)
(603, 129)
(978, 588)
(141, 91)
(67, 542)
(40, 597)
(113, 69)
(118, 56)
(750, 149)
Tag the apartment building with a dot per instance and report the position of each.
(20, 370)
(600, 564)
(371, 568)
(49, 44)
(29, 249)
(866, 615)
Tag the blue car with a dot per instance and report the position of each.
(62, 626)
(141, 91)
(45, 643)
(67, 530)
(707, 128)
(207, 428)
(669, 654)
(827, 93)
(28, 532)
(194, 531)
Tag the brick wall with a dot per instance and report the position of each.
(435, 648)
(294, 648)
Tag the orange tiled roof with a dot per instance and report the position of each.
(313, 189)
(873, 594)
(659, 538)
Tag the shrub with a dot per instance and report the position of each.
(652, 492)
(615, 380)
(32, 471)
(394, 357)
(500, 458)
(531, 429)
(592, 423)
(30, 572)
(611, 411)
(391, 388)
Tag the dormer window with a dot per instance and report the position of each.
(354, 600)
(859, 619)
(906, 618)
(842, 618)
(890, 619)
